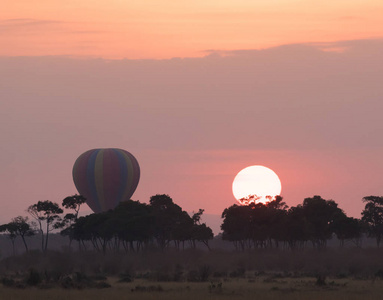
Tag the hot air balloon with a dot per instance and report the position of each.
(105, 177)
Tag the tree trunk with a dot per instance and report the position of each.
(46, 238)
(25, 244)
(13, 246)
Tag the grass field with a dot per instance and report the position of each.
(198, 275)
(262, 287)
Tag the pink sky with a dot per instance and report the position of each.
(296, 88)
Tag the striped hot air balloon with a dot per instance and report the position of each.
(105, 177)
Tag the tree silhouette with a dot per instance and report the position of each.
(171, 222)
(19, 226)
(74, 203)
(372, 215)
(295, 227)
(236, 225)
(23, 229)
(134, 221)
(347, 228)
(249, 199)
(11, 231)
(48, 212)
(133, 225)
(266, 225)
(320, 214)
(200, 232)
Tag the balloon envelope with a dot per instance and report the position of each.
(105, 177)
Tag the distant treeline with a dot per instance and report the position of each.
(313, 222)
(133, 226)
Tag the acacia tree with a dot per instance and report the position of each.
(236, 225)
(320, 215)
(23, 229)
(74, 203)
(133, 225)
(295, 227)
(170, 221)
(347, 228)
(372, 216)
(10, 230)
(19, 226)
(46, 212)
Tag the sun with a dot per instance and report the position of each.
(256, 184)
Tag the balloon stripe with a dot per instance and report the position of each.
(80, 174)
(91, 181)
(112, 179)
(136, 172)
(124, 175)
(129, 166)
(98, 178)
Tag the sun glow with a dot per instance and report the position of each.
(256, 184)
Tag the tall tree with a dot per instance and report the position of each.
(19, 226)
(74, 203)
(277, 212)
(46, 212)
(23, 229)
(169, 218)
(295, 229)
(236, 225)
(320, 214)
(347, 228)
(11, 232)
(372, 215)
(133, 224)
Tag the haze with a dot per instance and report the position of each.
(296, 88)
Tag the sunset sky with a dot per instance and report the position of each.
(164, 29)
(196, 91)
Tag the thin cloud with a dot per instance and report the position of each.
(37, 25)
(350, 18)
(28, 22)
(338, 47)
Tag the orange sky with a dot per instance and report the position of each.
(165, 29)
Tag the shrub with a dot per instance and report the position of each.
(7, 281)
(34, 278)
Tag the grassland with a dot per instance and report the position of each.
(263, 274)
(263, 287)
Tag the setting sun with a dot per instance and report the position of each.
(256, 184)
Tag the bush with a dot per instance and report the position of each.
(102, 285)
(204, 273)
(178, 272)
(34, 278)
(193, 276)
(321, 280)
(8, 282)
(125, 277)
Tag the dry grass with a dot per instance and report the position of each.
(361, 263)
(347, 274)
(261, 287)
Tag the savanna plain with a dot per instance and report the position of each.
(332, 273)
